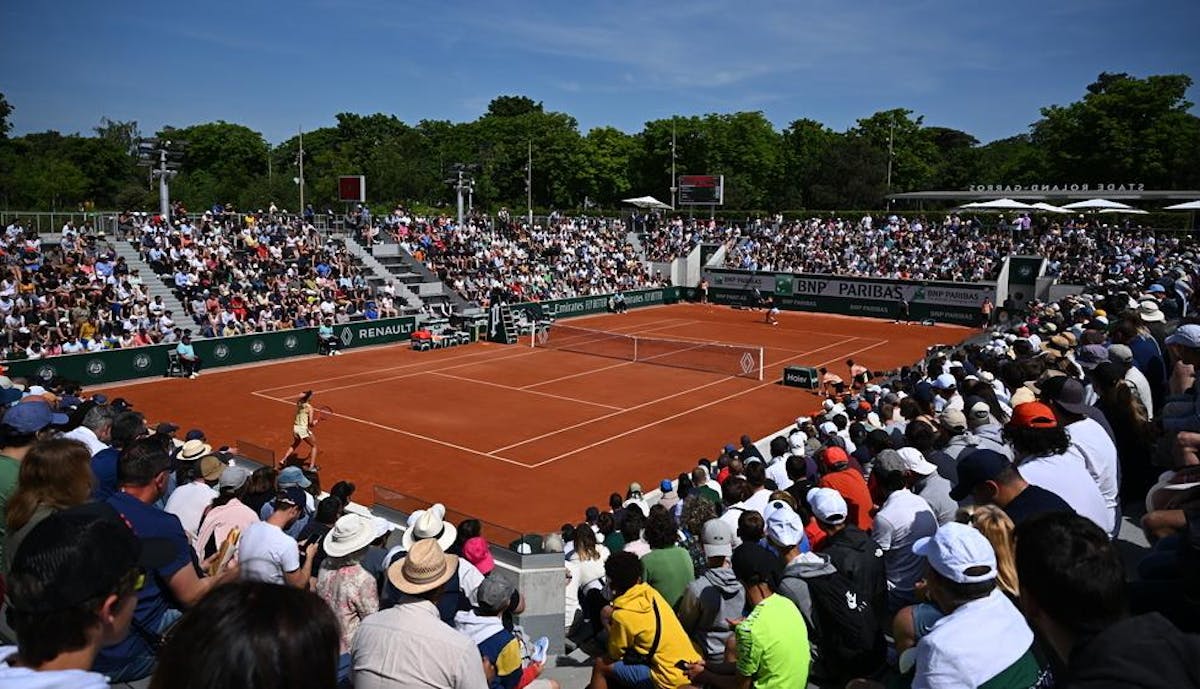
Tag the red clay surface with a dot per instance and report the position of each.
(527, 438)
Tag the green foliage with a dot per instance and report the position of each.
(1123, 129)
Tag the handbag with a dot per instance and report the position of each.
(632, 657)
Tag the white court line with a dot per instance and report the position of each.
(693, 409)
(487, 350)
(380, 426)
(654, 401)
(529, 351)
(527, 392)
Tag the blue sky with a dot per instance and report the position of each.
(984, 67)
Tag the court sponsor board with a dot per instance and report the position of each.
(947, 302)
(114, 365)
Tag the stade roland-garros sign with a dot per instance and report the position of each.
(947, 302)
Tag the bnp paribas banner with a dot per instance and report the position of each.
(950, 302)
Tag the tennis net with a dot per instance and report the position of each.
(743, 361)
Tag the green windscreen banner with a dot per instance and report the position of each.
(945, 302)
(141, 362)
(578, 306)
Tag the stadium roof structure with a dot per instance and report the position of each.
(1035, 192)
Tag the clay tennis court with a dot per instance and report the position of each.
(527, 437)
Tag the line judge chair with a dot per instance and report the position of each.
(174, 366)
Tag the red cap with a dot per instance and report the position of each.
(834, 456)
(1023, 331)
(1033, 415)
(476, 551)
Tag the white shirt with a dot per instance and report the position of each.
(188, 502)
(1141, 388)
(777, 472)
(1100, 457)
(266, 553)
(409, 646)
(758, 501)
(1066, 476)
(85, 435)
(972, 645)
(25, 678)
(903, 518)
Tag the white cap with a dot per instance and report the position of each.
(829, 428)
(783, 525)
(915, 462)
(827, 505)
(827, 405)
(956, 548)
(944, 382)
(797, 440)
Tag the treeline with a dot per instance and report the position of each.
(1123, 129)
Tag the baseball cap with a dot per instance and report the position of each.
(290, 497)
(635, 488)
(476, 551)
(959, 553)
(293, 476)
(753, 564)
(77, 555)
(666, 486)
(32, 417)
(889, 460)
(717, 538)
(834, 456)
(954, 419)
(1066, 393)
(783, 525)
(233, 477)
(1033, 415)
(1156, 289)
(165, 427)
(915, 462)
(944, 381)
(494, 593)
(827, 505)
(977, 467)
(1186, 336)
(1120, 353)
(980, 414)
(194, 434)
(1092, 355)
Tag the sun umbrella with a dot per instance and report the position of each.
(1096, 205)
(1189, 206)
(1049, 208)
(647, 202)
(998, 205)
(1123, 211)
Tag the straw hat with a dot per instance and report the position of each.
(193, 450)
(351, 533)
(424, 569)
(431, 525)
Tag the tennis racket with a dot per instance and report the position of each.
(321, 413)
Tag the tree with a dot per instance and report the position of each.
(512, 106)
(913, 154)
(5, 112)
(1124, 130)
(955, 159)
(222, 163)
(806, 144)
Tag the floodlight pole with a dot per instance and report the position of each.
(673, 177)
(300, 157)
(164, 193)
(459, 188)
(529, 182)
(891, 138)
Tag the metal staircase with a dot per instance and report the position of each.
(511, 336)
(379, 273)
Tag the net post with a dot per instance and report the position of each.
(533, 334)
(635, 347)
(761, 365)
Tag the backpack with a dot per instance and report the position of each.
(847, 639)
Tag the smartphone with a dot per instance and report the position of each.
(683, 665)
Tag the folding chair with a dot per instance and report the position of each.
(174, 366)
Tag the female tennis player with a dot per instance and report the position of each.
(302, 432)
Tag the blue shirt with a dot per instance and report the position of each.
(153, 600)
(104, 467)
(185, 350)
